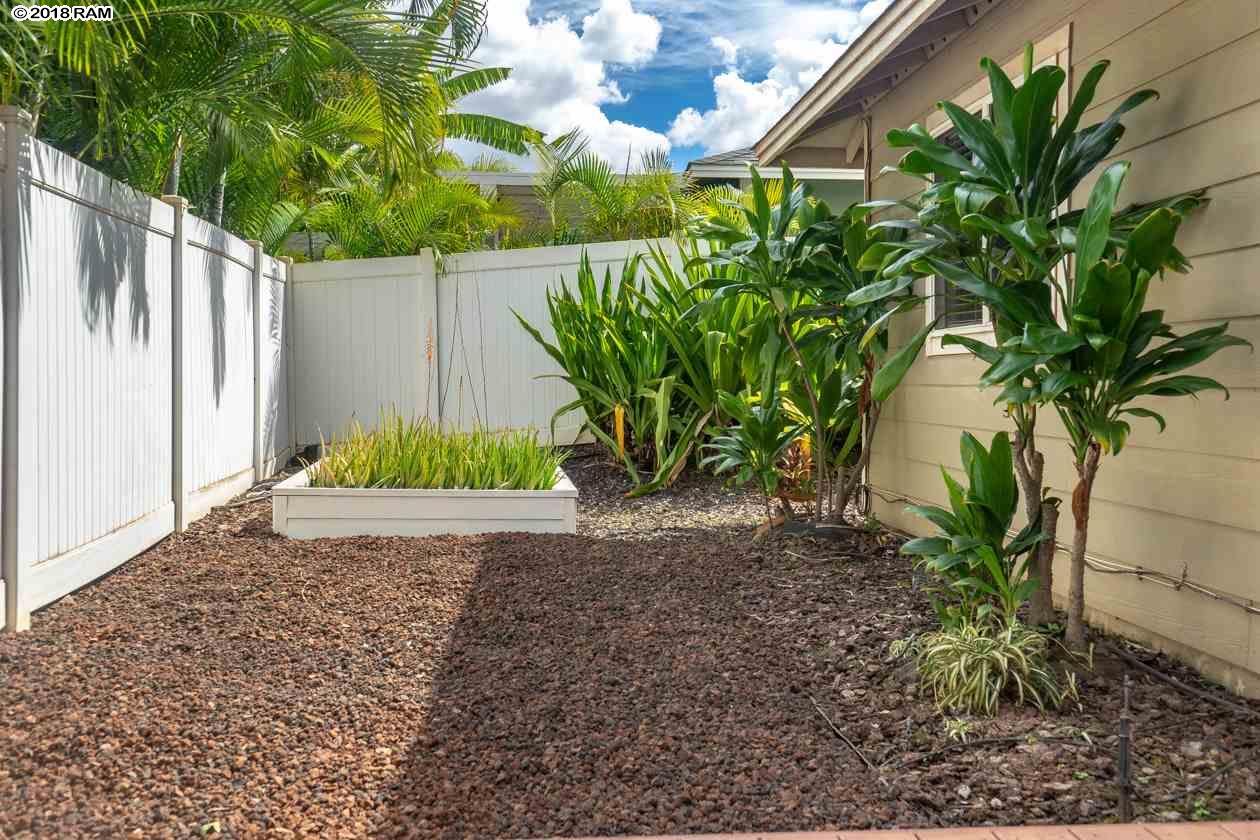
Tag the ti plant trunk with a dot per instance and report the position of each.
(1030, 469)
(853, 476)
(868, 413)
(1086, 470)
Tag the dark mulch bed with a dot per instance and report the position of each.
(653, 673)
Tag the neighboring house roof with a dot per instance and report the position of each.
(735, 163)
(908, 35)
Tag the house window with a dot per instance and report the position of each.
(956, 307)
(959, 311)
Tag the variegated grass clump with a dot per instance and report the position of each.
(971, 667)
(421, 455)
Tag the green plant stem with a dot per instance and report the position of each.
(816, 412)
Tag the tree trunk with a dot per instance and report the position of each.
(214, 212)
(1080, 513)
(1030, 470)
(854, 476)
(1041, 605)
(171, 185)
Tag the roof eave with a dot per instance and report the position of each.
(871, 47)
(802, 173)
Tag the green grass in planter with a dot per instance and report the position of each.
(420, 455)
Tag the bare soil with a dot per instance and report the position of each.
(656, 672)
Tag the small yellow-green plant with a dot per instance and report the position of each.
(970, 667)
(421, 455)
(958, 730)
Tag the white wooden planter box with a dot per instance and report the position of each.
(304, 512)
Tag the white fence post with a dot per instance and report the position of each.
(259, 420)
(179, 361)
(15, 126)
(431, 371)
(290, 324)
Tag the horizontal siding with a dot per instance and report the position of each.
(1184, 501)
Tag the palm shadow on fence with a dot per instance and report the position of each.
(214, 249)
(604, 686)
(112, 229)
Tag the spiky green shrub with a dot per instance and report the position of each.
(421, 455)
(971, 666)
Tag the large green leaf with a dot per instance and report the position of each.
(980, 139)
(1032, 118)
(890, 374)
(1095, 227)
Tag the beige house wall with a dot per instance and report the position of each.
(1185, 502)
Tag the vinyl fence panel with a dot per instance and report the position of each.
(436, 340)
(361, 337)
(129, 337)
(218, 363)
(88, 374)
(276, 434)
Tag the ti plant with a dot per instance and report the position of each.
(755, 443)
(1093, 361)
(990, 222)
(982, 574)
(801, 260)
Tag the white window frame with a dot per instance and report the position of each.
(1052, 50)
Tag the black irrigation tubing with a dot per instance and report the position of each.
(1190, 791)
(1029, 738)
(843, 737)
(1178, 684)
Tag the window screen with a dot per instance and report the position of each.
(956, 307)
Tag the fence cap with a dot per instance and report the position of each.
(176, 201)
(14, 114)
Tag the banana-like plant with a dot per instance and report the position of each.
(994, 211)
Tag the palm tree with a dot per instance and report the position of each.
(169, 85)
(640, 203)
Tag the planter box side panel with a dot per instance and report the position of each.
(310, 513)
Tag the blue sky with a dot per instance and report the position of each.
(692, 76)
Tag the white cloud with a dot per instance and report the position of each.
(728, 49)
(745, 109)
(560, 77)
(617, 34)
(743, 112)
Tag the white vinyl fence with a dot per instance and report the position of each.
(436, 341)
(154, 365)
(144, 370)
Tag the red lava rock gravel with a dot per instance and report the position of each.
(652, 674)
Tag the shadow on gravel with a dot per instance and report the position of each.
(617, 687)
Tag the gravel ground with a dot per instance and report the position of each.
(654, 673)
